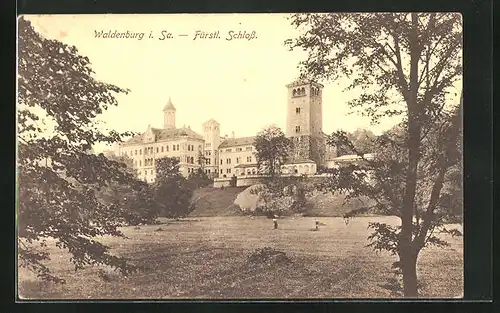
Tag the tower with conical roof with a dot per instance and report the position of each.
(169, 115)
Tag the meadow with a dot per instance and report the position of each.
(214, 258)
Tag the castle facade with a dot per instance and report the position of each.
(224, 156)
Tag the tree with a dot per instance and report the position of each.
(136, 205)
(405, 65)
(363, 140)
(273, 149)
(57, 177)
(198, 179)
(172, 190)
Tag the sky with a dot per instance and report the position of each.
(240, 83)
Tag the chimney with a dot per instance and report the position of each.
(232, 134)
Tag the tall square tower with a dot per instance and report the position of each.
(305, 121)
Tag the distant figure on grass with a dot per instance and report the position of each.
(316, 222)
(275, 222)
(347, 218)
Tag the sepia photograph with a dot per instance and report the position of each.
(239, 156)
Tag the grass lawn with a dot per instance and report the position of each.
(207, 257)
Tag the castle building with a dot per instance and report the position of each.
(226, 156)
(236, 157)
(183, 144)
(305, 124)
(211, 147)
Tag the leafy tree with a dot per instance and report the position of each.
(405, 65)
(199, 179)
(363, 140)
(136, 205)
(172, 191)
(273, 149)
(57, 177)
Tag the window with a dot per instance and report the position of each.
(249, 159)
(221, 171)
(228, 171)
(208, 161)
(140, 163)
(208, 144)
(199, 147)
(166, 148)
(249, 149)
(177, 148)
(228, 161)
(238, 160)
(135, 152)
(161, 148)
(297, 129)
(140, 152)
(151, 172)
(297, 110)
(220, 161)
(228, 150)
(239, 149)
(157, 149)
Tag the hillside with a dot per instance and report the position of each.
(332, 205)
(211, 201)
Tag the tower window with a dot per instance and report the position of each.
(302, 91)
(297, 110)
(294, 92)
(297, 129)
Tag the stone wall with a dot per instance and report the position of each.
(253, 180)
(241, 181)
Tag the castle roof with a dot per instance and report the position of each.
(211, 121)
(242, 141)
(300, 82)
(246, 165)
(169, 105)
(299, 161)
(353, 157)
(165, 134)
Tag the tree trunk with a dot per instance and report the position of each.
(409, 268)
(407, 255)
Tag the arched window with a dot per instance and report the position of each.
(303, 91)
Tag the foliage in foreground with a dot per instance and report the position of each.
(404, 65)
(58, 178)
(172, 191)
